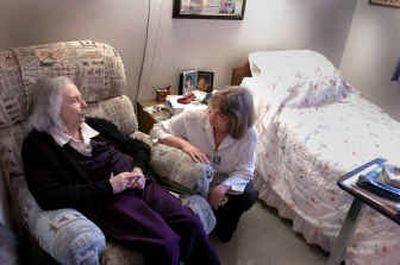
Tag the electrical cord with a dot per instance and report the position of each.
(139, 79)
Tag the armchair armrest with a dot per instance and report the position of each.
(177, 167)
(66, 234)
(200, 206)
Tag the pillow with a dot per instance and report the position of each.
(269, 92)
(297, 79)
(317, 91)
(287, 62)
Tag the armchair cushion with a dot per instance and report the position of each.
(118, 110)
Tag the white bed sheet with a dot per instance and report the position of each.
(303, 151)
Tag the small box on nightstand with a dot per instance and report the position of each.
(176, 107)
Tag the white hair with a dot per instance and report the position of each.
(47, 97)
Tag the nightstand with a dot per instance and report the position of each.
(151, 112)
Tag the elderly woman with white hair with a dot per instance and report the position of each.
(71, 161)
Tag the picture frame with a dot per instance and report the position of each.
(205, 81)
(200, 80)
(390, 3)
(187, 81)
(209, 9)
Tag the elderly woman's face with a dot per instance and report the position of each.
(73, 107)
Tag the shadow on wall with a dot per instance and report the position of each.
(333, 28)
(35, 22)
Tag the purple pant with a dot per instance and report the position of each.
(154, 222)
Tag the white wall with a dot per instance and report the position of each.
(371, 54)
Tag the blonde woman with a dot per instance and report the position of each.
(224, 137)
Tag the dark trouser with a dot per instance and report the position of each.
(155, 223)
(229, 214)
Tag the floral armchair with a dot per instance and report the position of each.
(67, 235)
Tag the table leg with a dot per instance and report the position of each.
(345, 233)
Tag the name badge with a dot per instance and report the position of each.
(216, 159)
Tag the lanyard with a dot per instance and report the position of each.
(215, 158)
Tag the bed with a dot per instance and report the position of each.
(314, 127)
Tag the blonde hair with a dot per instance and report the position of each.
(235, 103)
(46, 101)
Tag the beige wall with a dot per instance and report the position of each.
(176, 44)
(371, 54)
(117, 22)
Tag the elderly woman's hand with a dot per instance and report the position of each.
(122, 181)
(140, 180)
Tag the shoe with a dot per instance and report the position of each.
(224, 236)
(224, 232)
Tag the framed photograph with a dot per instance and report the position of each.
(209, 9)
(205, 81)
(392, 3)
(187, 82)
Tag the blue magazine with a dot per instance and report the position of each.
(373, 181)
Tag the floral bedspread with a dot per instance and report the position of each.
(302, 153)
